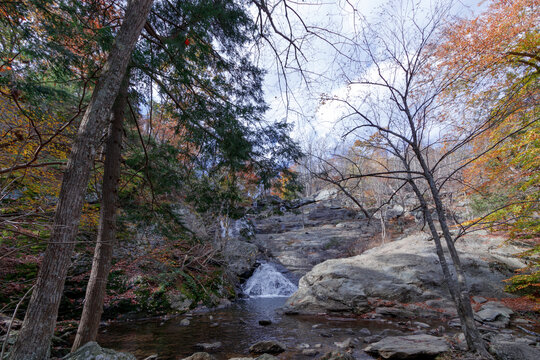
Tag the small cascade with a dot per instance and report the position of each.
(267, 281)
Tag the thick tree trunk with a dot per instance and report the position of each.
(33, 342)
(95, 290)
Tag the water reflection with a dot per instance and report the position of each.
(236, 327)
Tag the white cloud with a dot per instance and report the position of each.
(322, 66)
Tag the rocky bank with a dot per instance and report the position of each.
(405, 271)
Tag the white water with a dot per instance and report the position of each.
(266, 281)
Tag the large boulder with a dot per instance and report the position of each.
(505, 350)
(191, 220)
(394, 212)
(92, 351)
(408, 347)
(240, 256)
(406, 271)
(326, 194)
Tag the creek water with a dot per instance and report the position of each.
(237, 326)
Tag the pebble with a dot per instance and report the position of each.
(209, 346)
(310, 352)
(347, 343)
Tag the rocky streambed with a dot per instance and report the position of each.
(388, 302)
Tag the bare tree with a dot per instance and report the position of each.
(393, 105)
(33, 342)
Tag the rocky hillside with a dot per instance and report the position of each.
(346, 269)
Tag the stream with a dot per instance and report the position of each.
(237, 326)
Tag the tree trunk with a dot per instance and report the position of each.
(460, 288)
(448, 278)
(465, 311)
(106, 240)
(33, 342)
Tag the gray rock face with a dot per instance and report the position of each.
(408, 347)
(191, 220)
(268, 347)
(514, 351)
(330, 214)
(239, 256)
(407, 270)
(301, 240)
(395, 312)
(92, 351)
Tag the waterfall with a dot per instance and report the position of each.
(266, 281)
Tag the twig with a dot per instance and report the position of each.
(13, 319)
(527, 331)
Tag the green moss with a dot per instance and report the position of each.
(117, 281)
(152, 300)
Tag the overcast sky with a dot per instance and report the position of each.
(300, 105)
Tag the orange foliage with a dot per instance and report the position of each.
(495, 58)
(506, 33)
